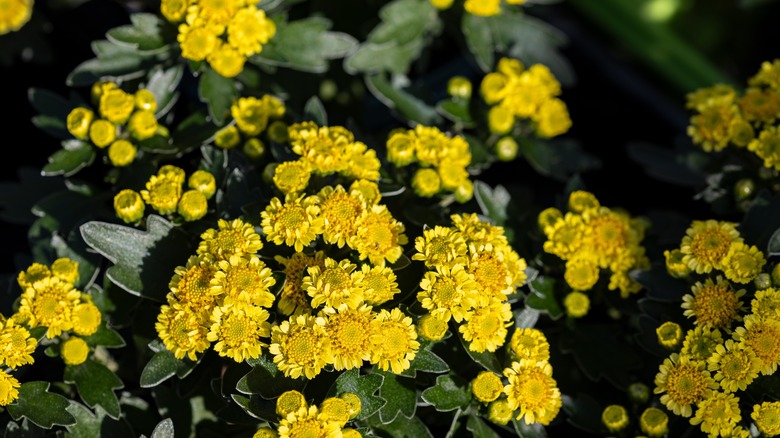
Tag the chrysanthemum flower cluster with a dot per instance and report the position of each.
(735, 334)
(594, 240)
(298, 418)
(222, 33)
(49, 301)
(439, 161)
(746, 119)
(166, 194)
(525, 99)
(253, 116)
(482, 8)
(14, 14)
(119, 119)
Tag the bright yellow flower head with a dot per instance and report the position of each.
(116, 105)
(683, 382)
(162, 194)
(66, 269)
(581, 200)
(614, 417)
(565, 237)
(249, 29)
(183, 330)
(307, 423)
(718, 414)
(531, 390)
(715, 94)
(767, 147)
(86, 318)
(735, 365)
(129, 206)
(367, 190)
(500, 119)
(226, 60)
(763, 336)
(742, 263)
(577, 304)
(581, 273)
(243, 280)
(448, 292)
(483, 8)
(552, 118)
(700, 342)
(228, 137)
(360, 162)
(529, 344)
(478, 231)
(9, 388)
(293, 299)
(394, 339)
(174, 10)
(121, 153)
(379, 284)
(204, 182)
(198, 41)
(49, 302)
(74, 351)
(334, 409)
(234, 237)
(401, 148)
(292, 177)
(102, 132)
(767, 417)
(669, 335)
(16, 344)
(426, 182)
(78, 122)
(295, 223)
(191, 284)
(759, 105)
(336, 283)
(499, 411)
(142, 124)
(354, 403)
(431, 327)
(440, 246)
(237, 329)
(654, 422)
(675, 266)
(339, 210)
(709, 127)
(766, 304)
(351, 333)
(36, 271)
(485, 326)
(192, 206)
(301, 346)
(379, 236)
(713, 304)
(487, 386)
(491, 272)
(290, 401)
(265, 432)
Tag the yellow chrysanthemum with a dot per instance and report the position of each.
(683, 382)
(251, 114)
(582, 200)
(581, 273)
(607, 234)
(565, 237)
(142, 125)
(295, 223)
(162, 194)
(86, 318)
(767, 417)
(654, 422)
(742, 263)
(483, 8)
(487, 386)
(577, 304)
(614, 418)
(735, 365)
(249, 29)
(379, 237)
(706, 243)
(547, 218)
(713, 304)
(490, 272)
(192, 206)
(552, 118)
(669, 335)
(339, 211)
(529, 344)
(440, 246)
(759, 105)
(204, 182)
(65, 269)
(14, 14)
(183, 330)
(74, 351)
(766, 304)
(700, 342)
(129, 206)
(361, 162)
(198, 41)
(292, 177)
(431, 327)
(675, 266)
(531, 390)
(116, 105)
(767, 147)
(301, 346)
(49, 302)
(191, 284)
(243, 280)
(395, 340)
(102, 133)
(78, 121)
(718, 93)
(36, 271)
(763, 336)
(336, 283)
(354, 404)
(485, 326)
(16, 344)
(334, 409)
(718, 414)
(426, 182)
(307, 422)
(237, 329)
(350, 332)
(709, 127)
(234, 237)
(367, 190)
(379, 284)
(290, 401)
(448, 292)
(9, 388)
(293, 299)
(499, 412)
(121, 153)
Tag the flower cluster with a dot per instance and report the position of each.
(591, 239)
(746, 119)
(253, 116)
(515, 94)
(119, 119)
(223, 33)
(440, 160)
(14, 14)
(482, 8)
(297, 417)
(165, 193)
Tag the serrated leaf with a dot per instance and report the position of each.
(542, 297)
(447, 394)
(218, 93)
(314, 110)
(384, 57)
(122, 65)
(256, 407)
(162, 366)
(43, 408)
(492, 201)
(426, 361)
(401, 397)
(266, 380)
(407, 105)
(50, 104)
(480, 429)
(773, 247)
(164, 429)
(90, 425)
(142, 260)
(74, 156)
(143, 34)
(95, 384)
(163, 85)
(488, 360)
(556, 158)
(364, 386)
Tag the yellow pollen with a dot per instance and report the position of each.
(293, 217)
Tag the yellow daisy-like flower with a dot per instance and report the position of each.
(547, 218)
(367, 190)
(204, 182)
(49, 302)
(431, 327)
(440, 246)
(183, 330)
(234, 237)
(709, 127)
(485, 326)
(74, 351)
(426, 182)
(767, 147)
(379, 284)
(700, 342)
(448, 292)
(490, 272)
(742, 263)
(614, 417)
(669, 334)
(129, 206)
(226, 60)
(295, 223)
(706, 243)
(395, 340)
(116, 105)
(78, 121)
(379, 237)
(478, 232)
(401, 148)
(529, 344)
(361, 162)
(86, 318)
(339, 211)
(121, 153)
(713, 304)
(487, 386)
(718, 93)
(718, 414)
(683, 382)
(236, 329)
(249, 29)
(607, 234)
(531, 390)
(172, 172)
(292, 177)
(334, 284)
(227, 137)
(307, 422)
(759, 105)
(354, 404)
(766, 415)
(191, 284)
(301, 346)
(577, 304)
(293, 299)
(552, 118)
(243, 280)
(162, 194)
(735, 365)
(582, 200)
(198, 41)
(766, 304)
(251, 114)
(334, 409)
(565, 237)
(581, 273)
(351, 333)
(66, 269)
(654, 422)
(36, 271)
(16, 344)
(9, 388)
(763, 336)
(290, 401)
(675, 266)
(193, 205)
(499, 412)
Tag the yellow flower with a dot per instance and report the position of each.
(395, 340)
(483, 8)
(243, 280)
(251, 115)
(431, 327)
(379, 284)
(237, 328)
(759, 105)
(501, 120)
(441, 4)
(709, 128)
(204, 182)
(735, 365)
(300, 346)
(490, 272)
(295, 223)
(145, 100)
(577, 304)
(669, 335)
(465, 192)
(506, 148)
(531, 390)
(183, 330)
(718, 414)
(654, 422)
(307, 423)
(192, 206)
(334, 284)
(116, 105)
(293, 299)
(742, 263)
(253, 148)
(401, 148)
(448, 292)
(700, 342)
(190, 285)
(65, 269)
(675, 266)
(265, 432)
(74, 351)
(485, 325)
(608, 235)
(234, 237)
(499, 412)
(379, 236)
(763, 336)
(766, 415)
(36, 271)
(552, 118)
(86, 319)
(292, 177)
(706, 243)
(713, 304)
(360, 162)
(78, 121)
(249, 29)
(334, 409)
(198, 41)
(121, 153)
(426, 182)
(49, 303)
(367, 190)
(16, 344)
(477, 231)
(683, 382)
(529, 344)
(581, 273)
(339, 210)
(102, 133)
(487, 386)
(129, 206)
(440, 246)
(741, 132)
(614, 417)
(565, 237)
(354, 404)
(290, 401)
(581, 201)
(162, 193)
(766, 304)
(227, 137)
(350, 332)
(142, 124)
(9, 388)
(715, 94)
(226, 60)
(766, 146)
(172, 172)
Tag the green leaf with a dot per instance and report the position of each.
(256, 407)
(385, 57)
(617, 359)
(18, 198)
(193, 132)
(403, 427)
(162, 366)
(488, 360)
(456, 110)
(43, 408)
(218, 93)
(52, 111)
(557, 158)
(480, 429)
(407, 105)
(53, 126)
(116, 62)
(314, 110)
(105, 337)
(664, 164)
(144, 34)
(533, 430)
(479, 40)
(74, 156)
(426, 361)
(583, 411)
(526, 318)
(401, 397)
(492, 201)
(89, 425)
(163, 84)
(773, 247)
(364, 386)
(266, 380)
(96, 385)
(542, 297)
(142, 260)
(164, 429)
(306, 45)
(447, 394)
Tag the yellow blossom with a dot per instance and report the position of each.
(350, 332)
(9, 388)
(231, 237)
(295, 222)
(237, 329)
(531, 390)
(395, 340)
(74, 351)
(682, 383)
(301, 346)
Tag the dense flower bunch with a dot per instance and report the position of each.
(252, 117)
(223, 33)
(482, 8)
(14, 14)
